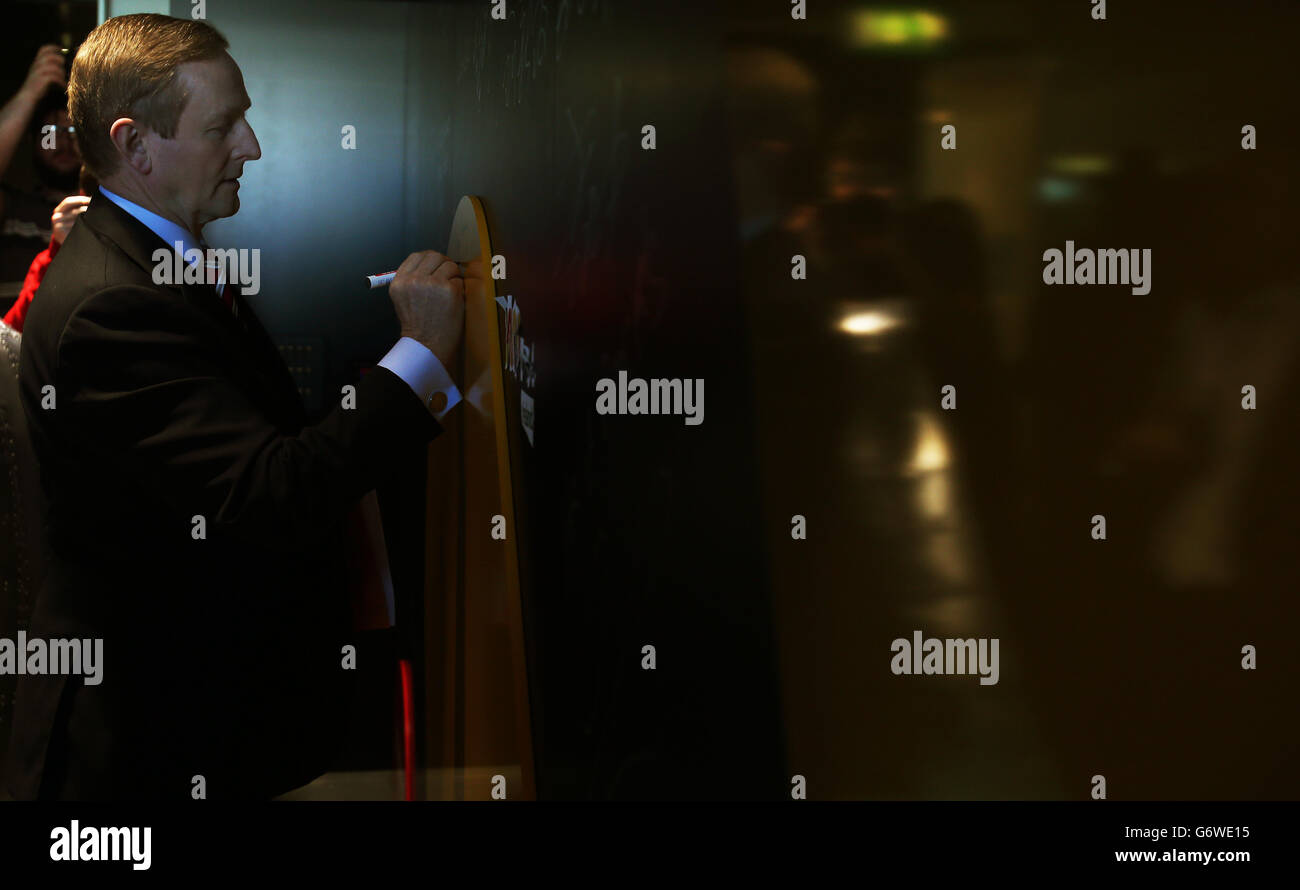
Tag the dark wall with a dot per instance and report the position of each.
(637, 529)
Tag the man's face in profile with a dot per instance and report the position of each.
(197, 170)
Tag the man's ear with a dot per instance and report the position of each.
(128, 137)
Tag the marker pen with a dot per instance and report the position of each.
(387, 278)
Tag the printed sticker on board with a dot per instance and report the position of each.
(521, 361)
(526, 414)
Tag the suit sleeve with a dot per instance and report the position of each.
(142, 389)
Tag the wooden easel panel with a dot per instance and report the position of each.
(477, 707)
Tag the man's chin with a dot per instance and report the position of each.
(227, 207)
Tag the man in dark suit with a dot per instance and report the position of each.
(194, 523)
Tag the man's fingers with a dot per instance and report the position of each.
(447, 270)
(410, 263)
(70, 212)
(52, 58)
(430, 260)
(426, 262)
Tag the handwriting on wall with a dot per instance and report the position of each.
(521, 47)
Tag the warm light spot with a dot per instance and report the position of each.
(932, 496)
(931, 451)
(867, 323)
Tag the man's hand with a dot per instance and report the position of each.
(47, 68)
(428, 293)
(66, 214)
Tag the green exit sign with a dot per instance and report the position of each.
(902, 29)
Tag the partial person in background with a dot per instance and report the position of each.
(56, 160)
(61, 223)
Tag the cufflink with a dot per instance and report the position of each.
(438, 401)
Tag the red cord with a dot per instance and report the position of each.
(408, 729)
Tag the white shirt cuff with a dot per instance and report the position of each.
(419, 367)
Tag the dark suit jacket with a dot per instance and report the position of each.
(222, 656)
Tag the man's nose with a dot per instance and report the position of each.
(250, 147)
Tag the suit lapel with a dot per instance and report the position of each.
(267, 356)
(244, 338)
